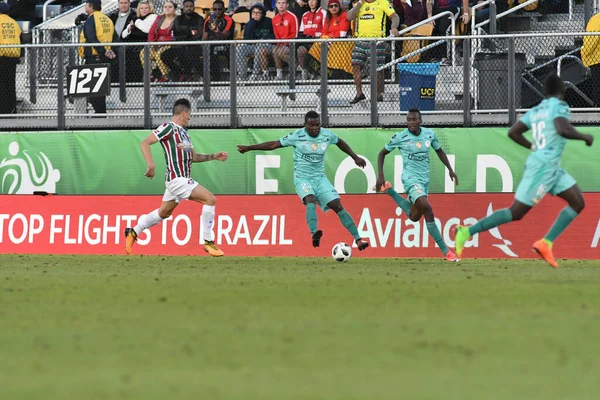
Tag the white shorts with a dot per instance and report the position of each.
(179, 189)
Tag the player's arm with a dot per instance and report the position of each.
(444, 159)
(516, 134)
(353, 13)
(380, 161)
(395, 23)
(346, 149)
(145, 146)
(221, 156)
(568, 131)
(268, 146)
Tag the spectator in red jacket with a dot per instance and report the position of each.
(311, 26)
(285, 26)
(336, 23)
(161, 31)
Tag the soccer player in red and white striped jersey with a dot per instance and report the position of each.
(179, 156)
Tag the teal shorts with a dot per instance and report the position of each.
(321, 188)
(542, 177)
(415, 189)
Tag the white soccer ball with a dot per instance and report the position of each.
(341, 252)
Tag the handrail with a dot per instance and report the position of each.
(474, 12)
(433, 18)
(428, 20)
(45, 9)
(507, 12)
(570, 56)
(556, 59)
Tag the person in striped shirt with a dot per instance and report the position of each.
(179, 156)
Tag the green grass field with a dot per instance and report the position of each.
(91, 327)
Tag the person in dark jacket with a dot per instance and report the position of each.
(259, 27)
(182, 60)
(23, 10)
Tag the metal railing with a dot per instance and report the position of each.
(459, 95)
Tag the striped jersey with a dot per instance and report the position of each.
(178, 149)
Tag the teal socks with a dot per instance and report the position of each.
(566, 216)
(348, 223)
(434, 232)
(401, 201)
(498, 218)
(311, 217)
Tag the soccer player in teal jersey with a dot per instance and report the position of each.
(551, 127)
(414, 144)
(310, 145)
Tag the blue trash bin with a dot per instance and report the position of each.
(417, 85)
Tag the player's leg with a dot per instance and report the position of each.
(515, 212)
(149, 220)
(328, 196)
(424, 207)
(202, 195)
(305, 190)
(413, 212)
(348, 223)
(567, 189)
(310, 202)
(531, 189)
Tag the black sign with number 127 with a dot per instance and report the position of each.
(90, 80)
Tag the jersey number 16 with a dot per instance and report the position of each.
(538, 135)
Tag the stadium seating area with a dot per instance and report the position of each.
(540, 56)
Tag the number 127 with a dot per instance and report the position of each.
(85, 75)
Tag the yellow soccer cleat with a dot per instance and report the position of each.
(462, 235)
(130, 238)
(211, 248)
(544, 249)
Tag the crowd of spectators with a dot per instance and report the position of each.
(280, 20)
(289, 19)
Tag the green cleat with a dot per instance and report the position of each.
(462, 235)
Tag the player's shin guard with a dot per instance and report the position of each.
(498, 218)
(147, 221)
(208, 219)
(566, 216)
(434, 232)
(348, 223)
(401, 201)
(311, 217)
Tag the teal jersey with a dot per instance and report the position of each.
(309, 152)
(415, 152)
(549, 145)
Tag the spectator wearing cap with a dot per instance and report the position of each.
(336, 24)
(9, 57)
(259, 27)
(98, 28)
(182, 60)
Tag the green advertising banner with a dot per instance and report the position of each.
(110, 162)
